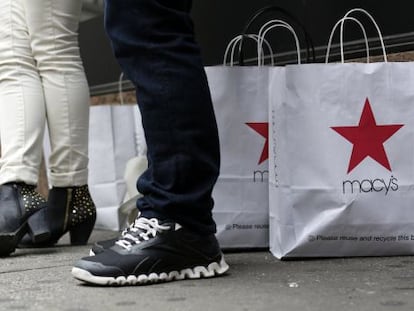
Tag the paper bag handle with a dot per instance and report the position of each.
(231, 48)
(381, 38)
(340, 22)
(276, 23)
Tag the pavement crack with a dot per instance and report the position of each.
(34, 269)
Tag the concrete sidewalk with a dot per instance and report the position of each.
(40, 279)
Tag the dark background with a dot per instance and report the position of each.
(217, 21)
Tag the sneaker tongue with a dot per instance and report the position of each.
(165, 222)
(170, 223)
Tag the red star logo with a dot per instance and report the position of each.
(263, 129)
(368, 138)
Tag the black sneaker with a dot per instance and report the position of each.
(153, 252)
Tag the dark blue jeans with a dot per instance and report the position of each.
(153, 41)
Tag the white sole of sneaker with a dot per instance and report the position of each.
(213, 269)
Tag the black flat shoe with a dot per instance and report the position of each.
(69, 209)
(20, 209)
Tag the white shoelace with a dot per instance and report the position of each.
(142, 229)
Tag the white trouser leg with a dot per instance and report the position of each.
(22, 110)
(53, 29)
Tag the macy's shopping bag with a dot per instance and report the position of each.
(241, 194)
(341, 168)
(342, 160)
(240, 99)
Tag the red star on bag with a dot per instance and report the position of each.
(263, 129)
(368, 138)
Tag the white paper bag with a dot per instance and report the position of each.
(111, 144)
(341, 158)
(342, 171)
(240, 100)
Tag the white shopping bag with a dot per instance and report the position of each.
(342, 161)
(111, 144)
(240, 100)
